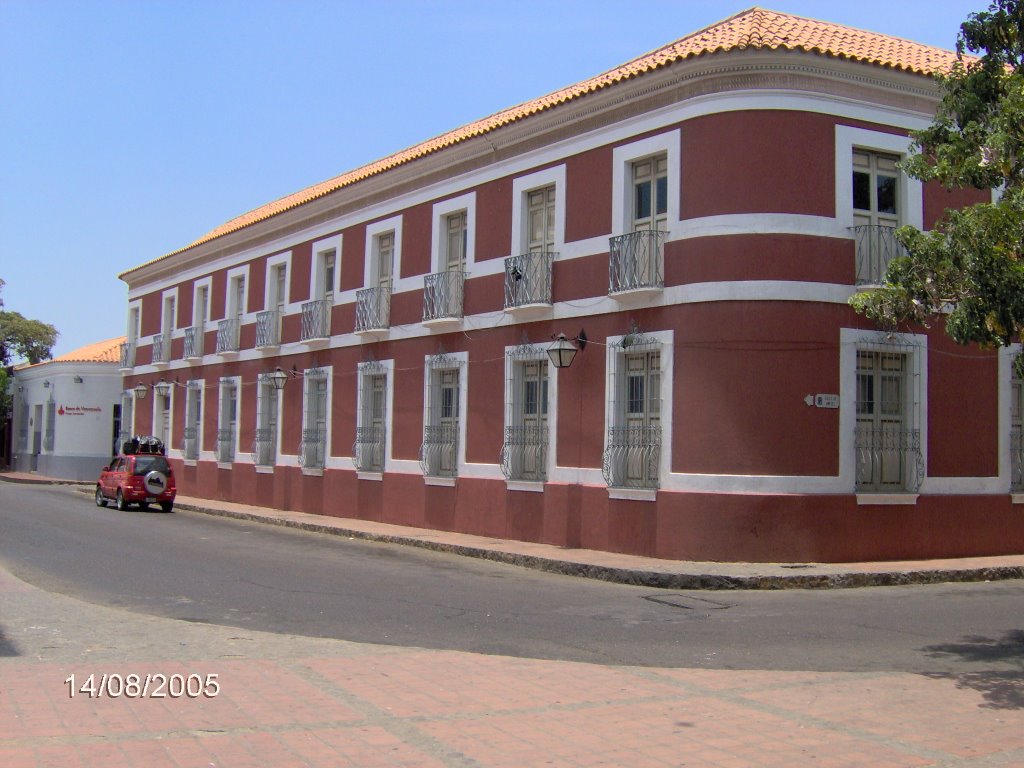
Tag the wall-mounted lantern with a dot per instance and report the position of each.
(278, 378)
(140, 390)
(563, 351)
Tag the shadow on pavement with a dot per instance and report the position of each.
(6, 646)
(1001, 687)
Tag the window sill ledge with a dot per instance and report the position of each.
(536, 309)
(633, 494)
(374, 476)
(373, 333)
(446, 482)
(887, 499)
(1017, 498)
(532, 486)
(190, 462)
(225, 465)
(264, 470)
(636, 293)
(313, 471)
(443, 322)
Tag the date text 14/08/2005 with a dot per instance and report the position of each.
(148, 686)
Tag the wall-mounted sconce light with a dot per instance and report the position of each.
(162, 388)
(140, 390)
(46, 385)
(78, 379)
(563, 351)
(278, 378)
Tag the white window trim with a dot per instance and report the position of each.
(666, 341)
(170, 418)
(551, 468)
(910, 190)
(521, 187)
(133, 329)
(197, 385)
(850, 339)
(197, 286)
(461, 360)
(373, 231)
(1005, 367)
(170, 294)
(231, 295)
(389, 414)
(623, 157)
(272, 263)
(443, 209)
(224, 383)
(316, 273)
(328, 372)
(268, 469)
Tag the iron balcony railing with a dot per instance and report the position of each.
(316, 320)
(636, 261)
(528, 279)
(373, 308)
(524, 454)
(876, 246)
(632, 457)
(190, 443)
(368, 449)
(313, 448)
(442, 295)
(162, 348)
(227, 335)
(128, 354)
(439, 451)
(194, 342)
(268, 328)
(225, 445)
(263, 452)
(889, 459)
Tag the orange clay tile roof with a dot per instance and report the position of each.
(108, 351)
(753, 29)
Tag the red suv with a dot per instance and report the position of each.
(140, 475)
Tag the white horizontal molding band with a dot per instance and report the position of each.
(655, 120)
(694, 293)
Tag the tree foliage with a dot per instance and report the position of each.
(24, 339)
(970, 268)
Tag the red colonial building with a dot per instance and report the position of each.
(695, 222)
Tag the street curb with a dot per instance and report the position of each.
(629, 576)
(642, 578)
(43, 481)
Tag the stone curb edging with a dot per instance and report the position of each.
(628, 576)
(641, 578)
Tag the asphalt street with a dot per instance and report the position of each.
(226, 572)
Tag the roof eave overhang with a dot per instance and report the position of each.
(698, 76)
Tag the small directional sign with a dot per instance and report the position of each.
(822, 401)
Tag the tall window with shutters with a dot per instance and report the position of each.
(313, 448)
(632, 457)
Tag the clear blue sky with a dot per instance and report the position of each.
(128, 129)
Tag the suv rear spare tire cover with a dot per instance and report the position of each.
(155, 482)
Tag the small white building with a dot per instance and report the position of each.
(66, 412)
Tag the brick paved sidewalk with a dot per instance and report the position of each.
(294, 701)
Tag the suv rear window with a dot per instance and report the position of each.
(145, 463)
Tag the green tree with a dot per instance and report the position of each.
(24, 339)
(969, 270)
(20, 339)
